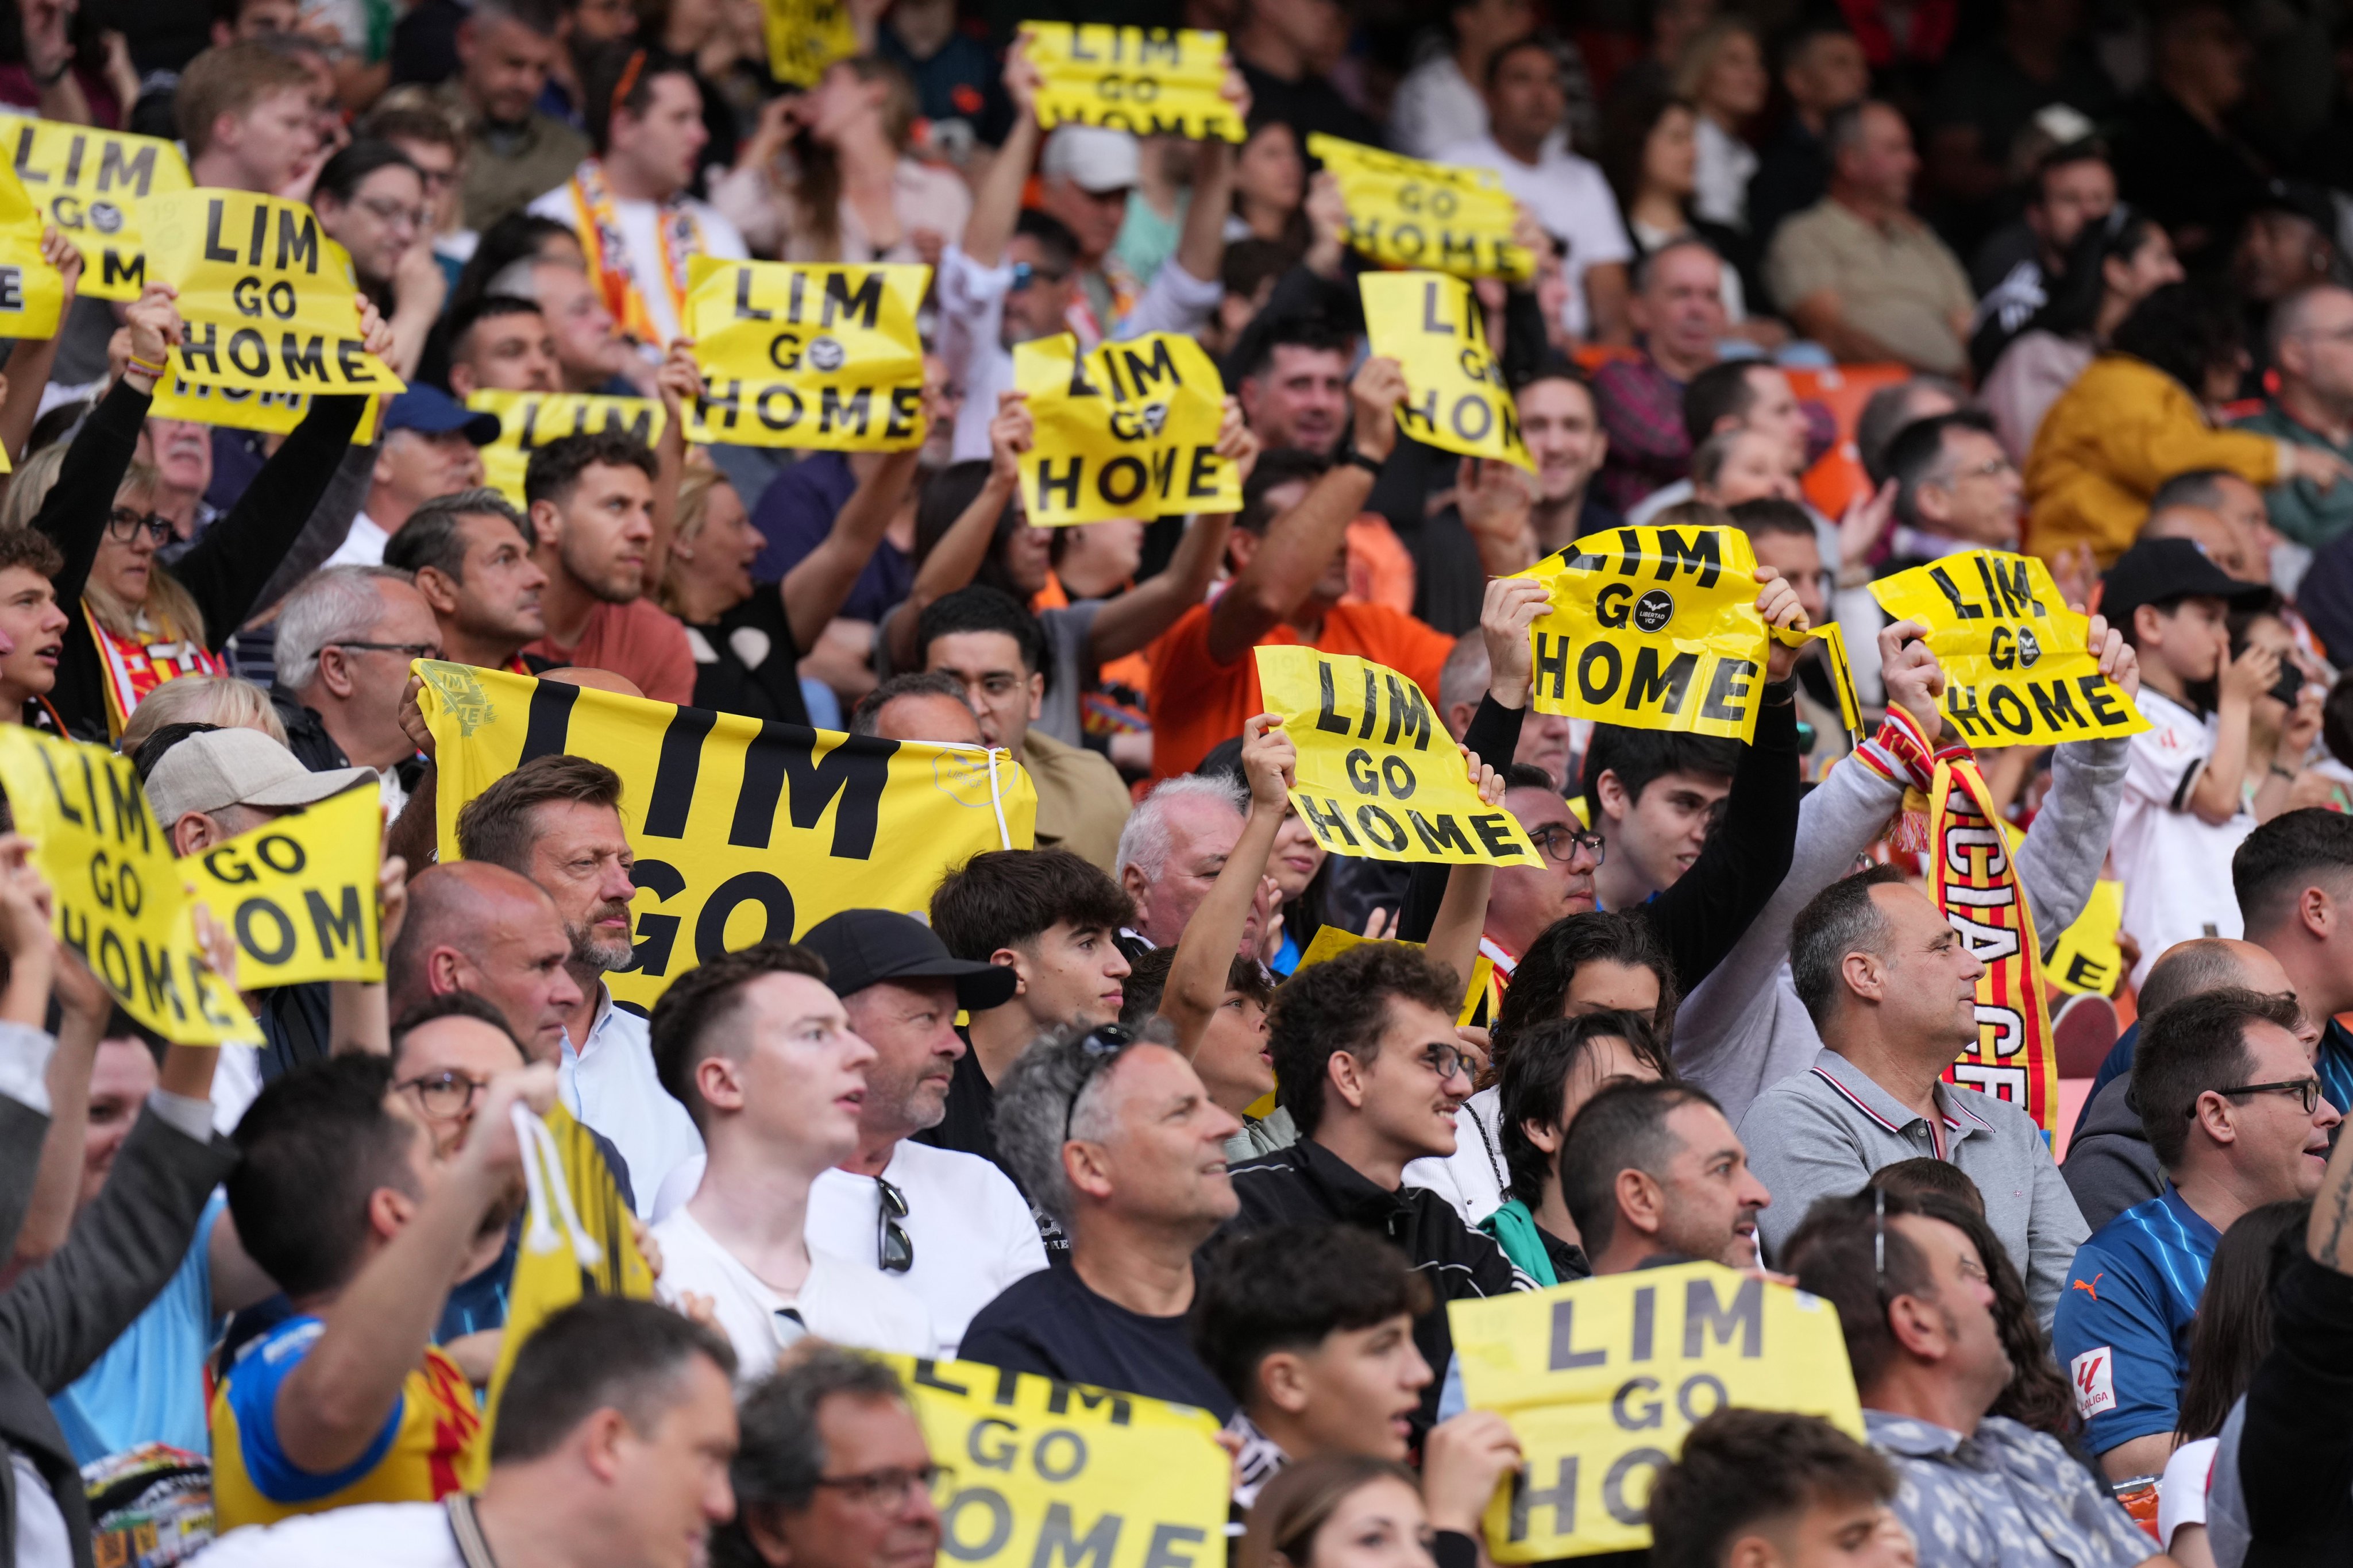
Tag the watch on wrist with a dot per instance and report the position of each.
(1349, 457)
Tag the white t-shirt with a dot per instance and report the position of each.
(838, 1301)
(1435, 108)
(1570, 198)
(2176, 867)
(363, 546)
(2181, 1494)
(641, 233)
(612, 1088)
(367, 1535)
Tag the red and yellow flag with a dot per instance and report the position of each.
(1975, 880)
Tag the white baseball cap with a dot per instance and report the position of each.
(1096, 160)
(222, 768)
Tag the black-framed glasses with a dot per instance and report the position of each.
(407, 649)
(1447, 1060)
(1101, 1048)
(1560, 844)
(894, 1249)
(2306, 1090)
(444, 1096)
(890, 1487)
(123, 523)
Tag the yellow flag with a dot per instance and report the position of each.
(1043, 1472)
(1153, 81)
(236, 408)
(2087, 958)
(807, 35)
(1602, 1379)
(96, 186)
(32, 292)
(299, 892)
(1129, 431)
(1331, 942)
(1379, 777)
(743, 830)
(528, 420)
(819, 357)
(1455, 397)
(2018, 668)
(118, 891)
(267, 298)
(1407, 212)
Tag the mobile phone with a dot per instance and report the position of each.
(2290, 684)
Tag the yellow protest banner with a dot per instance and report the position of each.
(1653, 629)
(92, 184)
(820, 357)
(1153, 81)
(743, 830)
(1331, 942)
(528, 420)
(299, 892)
(1455, 397)
(2017, 665)
(119, 894)
(236, 408)
(267, 298)
(1128, 430)
(2087, 958)
(805, 37)
(32, 292)
(1407, 212)
(1602, 1379)
(1379, 777)
(1044, 1472)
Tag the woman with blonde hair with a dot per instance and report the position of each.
(223, 700)
(1722, 75)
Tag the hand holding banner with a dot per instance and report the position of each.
(1372, 781)
(32, 292)
(1127, 430)
(1455, 395)
(818, 357)
(805, 37)
(532, 419)
(94, 185)
(1407, 212)
(300, 892)
(1152, 81)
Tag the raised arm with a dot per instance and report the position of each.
(958, 553)
(678, 380)
(1462, 912)
(74, 513)
(1201, 244)
(1133, 618)
(996, 205)
(1204, 955)
(84, 1008)
(820, 581)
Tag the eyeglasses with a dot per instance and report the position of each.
(407, 649)
(394, 215)
(2306, 1090)
(123, 523)
(1100, 1049)
(1560, 845)
(1024, 275)
(888, 1488)
(1446, 1062)
(444, 1096)
(894, 1249)
(1989, 468)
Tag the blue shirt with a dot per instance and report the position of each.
(2123, 1328)
(149, 1387)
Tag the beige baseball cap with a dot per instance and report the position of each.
(222, 768)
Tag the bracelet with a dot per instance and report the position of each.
(53, 77)
(158, 372)
(2287, 774)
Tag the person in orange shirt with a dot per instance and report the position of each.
(1290, 554)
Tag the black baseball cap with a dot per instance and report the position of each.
(862, 947)
(2156, 570)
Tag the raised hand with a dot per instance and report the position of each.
(1778, 603)
(1914, 679)
(1513, 606)
(1270, 762)
(1011, 434)
(1377, 391)
(2118, 659)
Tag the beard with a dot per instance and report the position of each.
(608, 955)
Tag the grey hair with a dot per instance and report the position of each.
(1465, 674)
(1843, 918)
(782, 1454)
(1146, 841)
(1054, 1085)
(518, 277)
(342, 601)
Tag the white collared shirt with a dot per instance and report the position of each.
(612, 1088)
(837, 1301)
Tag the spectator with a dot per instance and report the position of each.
(1650, 797)
(500, 342)
(2236, 1118)
(1650, 151)
(243, 111)
(1892, 991)
(470, 557)
(1857, 272)
(1752, 1484)
(1650, 1172)
(493, 933)
(2226, 518)
(2021, 264)
(592, 354)
(346, 640)
(1560, 419)
(2312, 407)
(556, 819)
(1439, 104)
(1722, 75)
(2180, 153)
(430, 450)
(1735, 467)
(1737, 394)
(1891, 408)
(1287, 53)
(2287, 244)
(33, 626)
(593, 500)
(1956, 489)
(1113, 1137)
(761, 1053)
(1170, 851)
(371, 201)
(1822, 71)
(927, 706)
(2290, 878)
(1296, 392)
(430, 136)
(1315, 1515)
(1679, 315)
(957, 80)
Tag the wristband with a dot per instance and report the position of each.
(1348, 456)
(2287, 774)
(1780, 693)
(133, 362)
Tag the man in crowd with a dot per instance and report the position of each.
(245, 114)
(1823, 70)
(1857, 272)
(2236, 1116)
(345, 638)
(2313, 358)
(1956, 489)
(592, 511)
(1527, 900)
(1295, 394)
(1651, 1171)
(431, 447)
(925, 705)
(2180, 155)
(1765, 1486)
(32, 624)
(1560, 420)
(1739, 395)
(1171, 851)
(1678, 314)
(471, 556)
(1287, 53)
(2013, 271)
(502, 343)
(506, 50)
(371, 201)
(1736, 466)
(592, 353)
(1891, 988)
(493, 933)
(2293, 878)
(557, 820)
(1651, 795)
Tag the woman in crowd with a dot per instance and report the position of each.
(1341, 1511)
(1271, 188)
(1650, 151)
(1722, 75)
(219, 699)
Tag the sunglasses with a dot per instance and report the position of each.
(1101, 1048)
(1024, 275)
(894, 1249)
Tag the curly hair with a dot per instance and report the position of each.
(1343, 1006)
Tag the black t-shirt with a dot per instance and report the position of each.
(970, 1126)
(1308, 105)
(1051, 1323)
(747, 662)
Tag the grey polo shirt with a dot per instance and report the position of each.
(1821, 1133)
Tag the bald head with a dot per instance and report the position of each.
(475, 927)
(594, 679)
(2211, 964)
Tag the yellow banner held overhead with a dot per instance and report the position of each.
(94, 185)
(1127, 430)
(265, 297)
(1041, 1472)
(120, 895)
(1602, 1379)
(1407, 212)
(2018, 665)
(236, 408)
(743, 830)
(2087, 958)
(1652, 628)
(820, 357)
(299, 893)
(807, 35)
(1153, 81)
(1379, 777)
(529, 420)
(32, 292)
(1455, 397)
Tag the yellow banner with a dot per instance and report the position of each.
(1129, 431)
(741, 830)
(2087, 958)
(807, 35)
(93, 185)
(299, 893)
(32, 292)
(1653, 629)
(265, 296)
(1378, 776)
(2017, 668)
(1331, 942)
(1044, 1472)
(1602, 1379)
(1407, 212)
(532, 419)
(819, 357)
(120, 896)
(1153, 81)
(238, 409)
(1456, 400)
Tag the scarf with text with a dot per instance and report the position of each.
(1973, 874)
